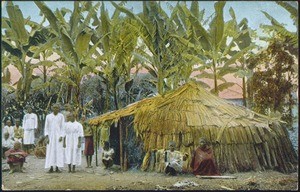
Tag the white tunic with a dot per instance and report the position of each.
(54, 129)
(175, 160)
(9, 143)
(30, 123)
(73, 130)
(9, 130)
(107, 155)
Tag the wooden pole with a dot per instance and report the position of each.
(121, 144)
(125, 152)
(215, 177)
(96, 145)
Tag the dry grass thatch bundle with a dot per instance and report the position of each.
(242, 139)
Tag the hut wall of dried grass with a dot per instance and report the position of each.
(242, 139)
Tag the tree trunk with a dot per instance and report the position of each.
(244, 92)
(107, 96)
(96, 146)
(215, 79)
(160, 83)
(69, 93)
(125, 151)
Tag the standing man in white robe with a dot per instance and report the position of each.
(54, 132)
(72, 142)
(30, 123)
(67, 110)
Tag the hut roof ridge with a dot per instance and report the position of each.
(189, 105)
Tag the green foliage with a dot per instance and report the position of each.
(219, 47)
(115, 54)
(279, 30)
(18, 44)
(72, 43)
(272, 82)
(161, 56)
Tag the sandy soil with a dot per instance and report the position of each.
(97, 178)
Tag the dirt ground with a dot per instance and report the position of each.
(97, 178)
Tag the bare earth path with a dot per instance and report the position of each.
(97, 178)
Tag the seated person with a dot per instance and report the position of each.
(173, 160)
(107, 155)
(40, 148)
(7, 143)
(15, 158)
(18, 132)
(203, 160)
(9, 128)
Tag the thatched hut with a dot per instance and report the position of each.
(242, 139)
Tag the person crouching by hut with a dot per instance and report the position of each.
(7, 143)
(203, 162)
(72, 142)
(173, 160)
(107, 155)
(16, 158)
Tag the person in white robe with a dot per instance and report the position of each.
(72, 142)
(7, 143)
(54, 133)
(67, 110)
(30, 124)
(9, 128)
(173, 160)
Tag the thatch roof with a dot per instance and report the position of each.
(241, 138)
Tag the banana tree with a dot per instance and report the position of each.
(114, 56)
(244, 41)
(217, 44)
(188, 36)
(72, 43)
(290, 38)
(159, 57)
(16, 44)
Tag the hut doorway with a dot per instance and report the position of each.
(114, 140)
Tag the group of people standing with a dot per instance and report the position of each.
(63, 136)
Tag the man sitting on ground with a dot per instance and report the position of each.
(7, 143)
(203, 162)
(16, 158)
(173, 160)
(18, 132)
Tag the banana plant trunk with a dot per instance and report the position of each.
(244, 92)
(216, 92)
(160, 83)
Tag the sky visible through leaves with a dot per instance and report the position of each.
(243, 9)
